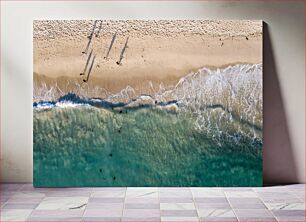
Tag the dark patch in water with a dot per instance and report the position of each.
(97, 102)
(43, 103)
(71, 97)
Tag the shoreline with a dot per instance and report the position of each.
(224, 89)
(98, 87)
(158, 52)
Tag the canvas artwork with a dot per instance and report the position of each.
(147, 103)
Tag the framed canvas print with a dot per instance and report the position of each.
(147, 103)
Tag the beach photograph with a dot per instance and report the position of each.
(170, 103)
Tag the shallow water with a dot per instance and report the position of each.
(90, 146)
(204, 131)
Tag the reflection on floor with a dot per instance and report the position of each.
(22, 202)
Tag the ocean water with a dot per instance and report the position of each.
(204, 131)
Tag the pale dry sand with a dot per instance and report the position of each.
(158, 51)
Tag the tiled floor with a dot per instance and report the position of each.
(21, 202)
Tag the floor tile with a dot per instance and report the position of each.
(278, 189)
(97, 189)
(150, 192)
(101, 219)
(179, 219)
(224, 205)
(253, 213)
(14, 214)
(105, 200)
(237, 189)
(216, 213)
(289, 213)
(62, 203)
(293, 187)
(175, 192)
(141, 206)
(177, 206)
(210, 200)
(178, 213)
(218, 219)
(207, 192)
(55, 219)
(20, 206)
(3, 200)
(273, 193)
(4, 193)
(25, 200)
(245, 200)
(142, 213)
(10, 186)
(240, 194)
(109, 193)
(103, 212)
(68, 193)
(236, 205)
(285, 206)
(23, 194)
(291, 219)
(274, 197)
(174, 189)
(176, 200)
(142, 200)
(91, 205)
(56, 214)
(253, 219)
(300, 195)
(281, 200)
(140, 219)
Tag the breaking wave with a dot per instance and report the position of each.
(226, 103)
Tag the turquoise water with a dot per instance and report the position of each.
(206, 130)
(90, 146)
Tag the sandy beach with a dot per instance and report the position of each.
(157, 52)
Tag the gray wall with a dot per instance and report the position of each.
(284, 79)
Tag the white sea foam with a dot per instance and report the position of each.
(226, 102)
(67, 104)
